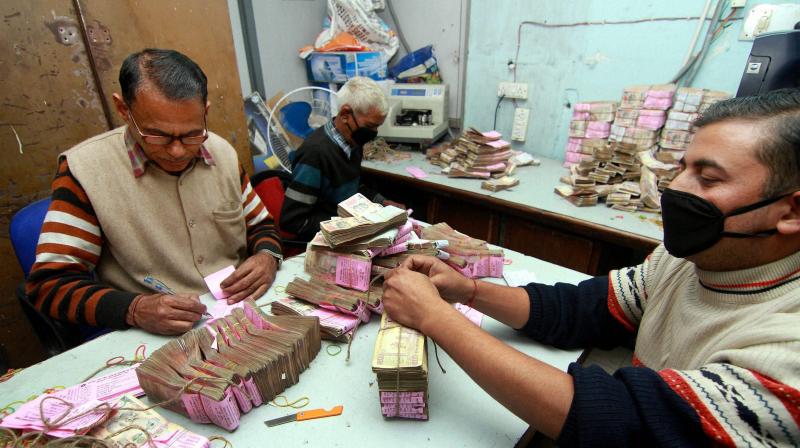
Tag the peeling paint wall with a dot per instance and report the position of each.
(47, 104)
(584, 63)
(49, 101)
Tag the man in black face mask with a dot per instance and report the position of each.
(715, 310)
(327, 167)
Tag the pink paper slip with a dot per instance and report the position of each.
(222, 309)
(416, 172)
(29, 416)
(499, 144)
(224, 413)
(194, 407)
(83, 396)
(353, 273)
(492, 134)
(213, 281)
(475, 316)
(396, 249)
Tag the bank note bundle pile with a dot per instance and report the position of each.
(345, 260)
(629, 170)
(679, 129)
(400, 362)
(589, 129)
(216, 373)
(481, 155)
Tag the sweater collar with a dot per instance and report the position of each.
(769, 278)
(338, 138)
(139, 159)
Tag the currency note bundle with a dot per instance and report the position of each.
(359, 219)
(232, 365)
(590, 126)
(161, 431)
(400, 363)
(470, 256)
(689, 104)
(476, 154)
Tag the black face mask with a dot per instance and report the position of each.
(693, 224)
(362, 136)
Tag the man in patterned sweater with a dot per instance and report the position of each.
(327, 167)
(715, 311)
(162, 196)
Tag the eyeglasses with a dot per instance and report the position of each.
(164, 140)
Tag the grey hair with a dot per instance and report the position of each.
(779, 113)
(362, 94)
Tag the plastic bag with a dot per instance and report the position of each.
(419, 66)
(358, 18)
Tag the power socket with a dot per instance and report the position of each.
(520, 127)
(738, 3)
(513, 90)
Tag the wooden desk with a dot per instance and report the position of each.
(530, 218)
(461, 413)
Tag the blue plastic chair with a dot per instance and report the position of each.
(24, 230)
(294, 117)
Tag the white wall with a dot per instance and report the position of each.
(284, 26)
(238, 45)
(443, 23)
(584, 63)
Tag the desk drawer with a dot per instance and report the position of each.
(470, 219)
(550, 245)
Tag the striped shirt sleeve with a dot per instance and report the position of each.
(718, 404)
(61, 283)
(262, 235)
(739, 406)
(627, 294)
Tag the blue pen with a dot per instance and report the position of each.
(158, 285)
(162, 287)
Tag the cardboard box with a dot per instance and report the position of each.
(338, 67)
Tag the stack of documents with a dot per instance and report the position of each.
(230, 366)
(400, 362)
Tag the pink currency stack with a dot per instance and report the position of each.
(590, 126)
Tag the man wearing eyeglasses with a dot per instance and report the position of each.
(160, 197)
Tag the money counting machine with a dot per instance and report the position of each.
(417, 113)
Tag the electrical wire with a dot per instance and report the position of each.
(690, 69)
(700, 24)
(589, 23)
(496, 108)
(690, 75)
